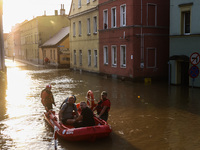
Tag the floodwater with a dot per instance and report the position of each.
(142, 116)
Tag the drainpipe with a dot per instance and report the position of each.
(169, 73)
(141, 36)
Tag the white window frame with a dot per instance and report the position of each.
(95, 24)
(184, 22)
(79, 3)
(89, 58)
(114, 55)
(155, 62)
(113, 17)
(122, 57)
(122, 15)
(105, 19)
(95, 58)
(105, 55)
(88, 26)
(74, 29)
(74, 57)
(79, 26)
(80, 57)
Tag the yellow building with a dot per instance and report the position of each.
(9, 45)
(37, 31)
(56, 49)
(84, 36)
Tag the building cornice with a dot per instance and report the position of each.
(83, 12)
(184, 36)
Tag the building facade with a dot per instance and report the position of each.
(37, 31)
(84, 36)
(134, 38)
(184, 41)
(56, 49)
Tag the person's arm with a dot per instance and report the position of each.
(60, 115)
(80, 117)
(103, 110)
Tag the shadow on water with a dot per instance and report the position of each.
(112, 142)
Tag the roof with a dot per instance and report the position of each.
(57, 37)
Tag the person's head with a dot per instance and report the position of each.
(71, 99)
(83, 105)
(48, 87)
(104, 95)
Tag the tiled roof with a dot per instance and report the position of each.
(57, 37)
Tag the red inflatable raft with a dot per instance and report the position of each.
(100, 130)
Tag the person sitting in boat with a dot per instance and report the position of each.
(66, 101)
(103, 106)
(47, 98)
(66, 111)
(86, 118)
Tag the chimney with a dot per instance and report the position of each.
(56, 12)
(62, 10)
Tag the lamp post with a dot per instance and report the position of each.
(2, 61)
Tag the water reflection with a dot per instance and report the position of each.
(145, 117)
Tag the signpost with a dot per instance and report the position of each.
(194, 70)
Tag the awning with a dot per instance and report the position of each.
(179, 57)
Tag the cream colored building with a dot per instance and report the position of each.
(84, 35)
(37, 31)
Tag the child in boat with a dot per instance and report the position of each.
(66, 112)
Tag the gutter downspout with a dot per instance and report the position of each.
(141, 36)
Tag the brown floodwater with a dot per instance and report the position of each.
(143, 116)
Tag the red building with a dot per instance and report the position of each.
(134, 38)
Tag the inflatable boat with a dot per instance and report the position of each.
(69, 133)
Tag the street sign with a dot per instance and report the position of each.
(194, 58)
(194, 71)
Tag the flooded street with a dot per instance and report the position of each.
(143, 117)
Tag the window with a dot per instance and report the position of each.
(79, 3)
(105, 51)
(79, 26)
(88, 26)
(105, 19)
(74, 29)
(123, 15)
(151, 57)
(80, 57)
(186, 22)
(113, 17)
(123, 56)
(152, 15)
(89, 58)
(51, 53)
(88, 1)
(74, 57)
(95, 58)
(95, 24)
(114, 56)
(185, 13)
(54, 54)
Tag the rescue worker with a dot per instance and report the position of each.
(103, 106)
(86, 118)
(66, 112)
(47, 98)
